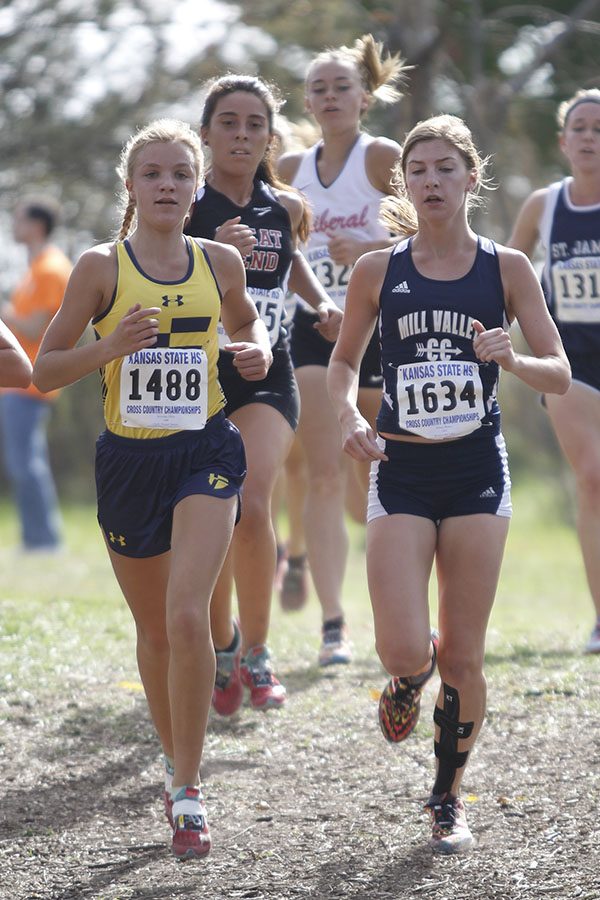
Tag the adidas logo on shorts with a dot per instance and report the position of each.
(401, 288)
(490, 492)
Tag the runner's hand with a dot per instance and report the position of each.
(493, 345)
(239, 236)
(330, 321)
(250, 360)
(137, 330)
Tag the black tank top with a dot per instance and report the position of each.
(268, 265)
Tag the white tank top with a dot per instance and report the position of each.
(350, 205)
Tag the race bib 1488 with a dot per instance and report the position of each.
(165, 389)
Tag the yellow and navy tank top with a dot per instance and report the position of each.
(172, 386)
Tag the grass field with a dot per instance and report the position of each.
(70, 604)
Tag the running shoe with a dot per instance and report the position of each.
(294, 587)
(191, 837)
(335, 645)
(593, 644)
(168, 799)
(400, 701)
(228, 691)
(257, 674)
(450, 832)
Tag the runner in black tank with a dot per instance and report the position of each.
(243, 204)
(565, 218)
(440, 488)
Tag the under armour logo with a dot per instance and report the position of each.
(178, 300)
(117, 540)
(217, 481)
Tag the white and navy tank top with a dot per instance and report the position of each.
(268, 264)
(349, 206)
(570, 236)
(434, 385)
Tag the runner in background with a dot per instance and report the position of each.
(25, 413)
(243, 203)
(565, 219)
(344, 175)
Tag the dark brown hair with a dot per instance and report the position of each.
(269, 96)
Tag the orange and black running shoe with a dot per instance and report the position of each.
(400, 702)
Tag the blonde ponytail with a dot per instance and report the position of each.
(380, 73)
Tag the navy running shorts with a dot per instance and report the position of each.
(309, 348)
(139, 482)
(586, 368)
(279, 389)
(441, 480)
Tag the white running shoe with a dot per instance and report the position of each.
(450, 832)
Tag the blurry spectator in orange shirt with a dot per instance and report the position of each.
(24, 412)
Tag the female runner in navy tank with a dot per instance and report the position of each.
(440, 487)
(344, 176)
(169, 466)
(565, 218)
(243, 203)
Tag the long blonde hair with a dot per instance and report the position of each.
(397, 212)
(380, 73)
(161, 131)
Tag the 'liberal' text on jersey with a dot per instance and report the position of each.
(349, 206)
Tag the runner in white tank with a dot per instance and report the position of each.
(346, 209)
(344, 177)
(443, 299)
(565, 218)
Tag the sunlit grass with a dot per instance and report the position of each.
(65, 613)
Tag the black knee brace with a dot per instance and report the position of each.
(451, 731)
